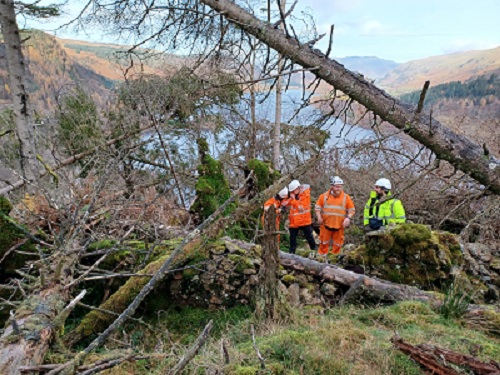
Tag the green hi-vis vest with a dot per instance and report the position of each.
(390, 211)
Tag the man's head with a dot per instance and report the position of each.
(382, 186)
(283, 194)
(336, 185)
(294, 186)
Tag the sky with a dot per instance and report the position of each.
(398, 30)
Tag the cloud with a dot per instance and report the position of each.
(459, 45)
(336, 6)
(373, 27)
(343, 5)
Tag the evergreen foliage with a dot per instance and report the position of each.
(78, 120)
(264, 174)
(37, 11)
(180, 96)
(212, 188)
(474, 89)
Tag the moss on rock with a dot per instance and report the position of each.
(409, 254)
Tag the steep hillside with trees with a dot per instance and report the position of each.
(114, 61)
(51, 70)
(471, 107)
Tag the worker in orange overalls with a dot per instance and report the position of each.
(278, 201)
(334, 211)
(300, 214)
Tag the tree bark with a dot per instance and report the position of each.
(29, 333)
(35, 323)
(267, 299)
(436, 360)
(459, 151)
(277, 118)
(367, 287)
(17, 78)
(374, 288)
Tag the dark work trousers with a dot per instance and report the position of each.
(308, 234)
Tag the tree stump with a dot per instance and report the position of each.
(267, 300)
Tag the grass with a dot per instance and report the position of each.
(456, 300)
(347, 340)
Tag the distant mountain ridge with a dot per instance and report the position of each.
(459, 66)
(54, 63)
(370, 66)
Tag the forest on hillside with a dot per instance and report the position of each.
(480, 89)
(133, 237)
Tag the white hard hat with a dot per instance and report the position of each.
(283, 193)
(293, 185)
(384, 182)
(336, 180)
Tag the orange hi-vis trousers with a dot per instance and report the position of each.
(333, 239)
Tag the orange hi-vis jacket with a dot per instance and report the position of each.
(277, 205)
(335, 209)
(300, 209)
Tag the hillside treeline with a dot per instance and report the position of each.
(475, 89)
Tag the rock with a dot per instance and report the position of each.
(492, 294)
(244, 290)
(294, 294)
(328, 289)
(479, 251)
(214, 300)
(305, 296)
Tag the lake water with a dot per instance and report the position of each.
(292, 100)
(340, 134)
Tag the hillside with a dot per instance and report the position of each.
(107, 59)
(369, 66)
(51, 69)
(55, 63)
(470, 107)
(440, 69)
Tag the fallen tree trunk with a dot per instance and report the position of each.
(435, 359)
(459, 151)
(362, 287)
(30, 331)
(375, 288)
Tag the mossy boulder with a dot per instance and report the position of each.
(409, 254)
